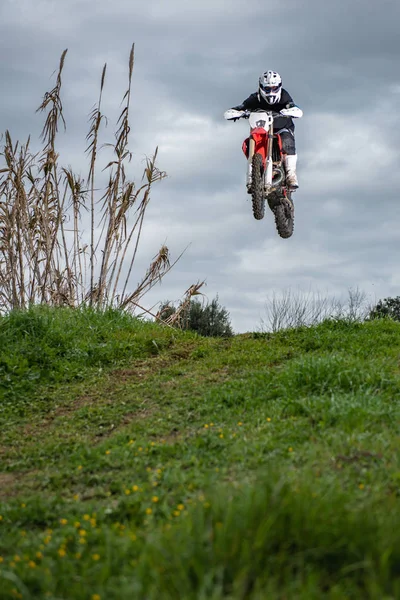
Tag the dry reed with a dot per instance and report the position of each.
(40, 261)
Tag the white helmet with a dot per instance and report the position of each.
(270, 86)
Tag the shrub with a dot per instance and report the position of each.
(387, 308)
(210, 320)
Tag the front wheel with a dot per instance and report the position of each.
(257, 187)
(284, 216)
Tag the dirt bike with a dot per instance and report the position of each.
(266, 176)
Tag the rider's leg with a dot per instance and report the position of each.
(289, 148)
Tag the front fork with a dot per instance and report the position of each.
(268, 171)
(252, 146)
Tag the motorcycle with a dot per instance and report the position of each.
(266, 176)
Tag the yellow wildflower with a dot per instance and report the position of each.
(63, 521)
(149, 511)
(135, 488)
(61, 552)
(154, 499)
(32, 564)
(181, 507)
(96, 556)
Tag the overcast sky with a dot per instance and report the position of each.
(193, 60)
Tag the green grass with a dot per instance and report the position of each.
(142, 462)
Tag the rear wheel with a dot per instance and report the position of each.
(257, 187)
(284, 216)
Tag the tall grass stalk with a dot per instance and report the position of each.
(42, 260)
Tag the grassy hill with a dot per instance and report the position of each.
(139, 462)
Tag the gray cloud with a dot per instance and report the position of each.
(194, 60)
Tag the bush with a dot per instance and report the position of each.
(211, 320)
(387, 308)
(291, 309)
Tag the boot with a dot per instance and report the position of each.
(290, 167)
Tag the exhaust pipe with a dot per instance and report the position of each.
(278, 176)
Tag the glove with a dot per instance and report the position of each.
(233, 115)
(294, 112)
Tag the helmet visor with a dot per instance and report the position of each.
(271, 89)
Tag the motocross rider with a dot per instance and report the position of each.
(272, 96)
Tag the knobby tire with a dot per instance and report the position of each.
(284, 216)
(257, 187)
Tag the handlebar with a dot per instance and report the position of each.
(233, 115)
(274, 113)
(246, 114)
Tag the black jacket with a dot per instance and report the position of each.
(256, 101)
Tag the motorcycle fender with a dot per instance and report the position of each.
(259, 136)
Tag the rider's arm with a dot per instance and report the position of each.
(236, 112)
(291, 109)
(249, 103)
